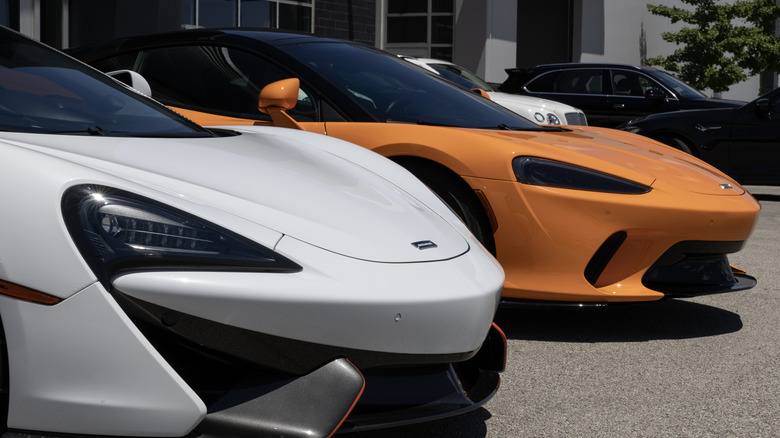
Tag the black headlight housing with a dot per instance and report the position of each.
(117, 231)
(544, 172)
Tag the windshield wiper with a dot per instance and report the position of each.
(91, 130)
(97, 130)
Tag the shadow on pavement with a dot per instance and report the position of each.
(668, 319)
(766, 197)
(468, 425)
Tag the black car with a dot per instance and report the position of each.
(743, 142)
(609, 94)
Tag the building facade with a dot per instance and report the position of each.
(485, 36)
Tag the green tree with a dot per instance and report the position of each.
(724, 44)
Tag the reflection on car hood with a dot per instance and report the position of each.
(630, 156)
(282, 179)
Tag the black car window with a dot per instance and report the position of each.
(635, 84)
(464, 78)
(578, 81)
(392, 90)
(681, 88)
(215, 79)
(44, 91)
(775, 104)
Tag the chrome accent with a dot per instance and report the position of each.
(707, 128)
(726, 186)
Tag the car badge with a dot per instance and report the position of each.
(726, 186)
(424, 244)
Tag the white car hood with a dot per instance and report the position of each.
(287, 181)
(528, 105)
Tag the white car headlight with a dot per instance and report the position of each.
(548, 119)
(117, 230)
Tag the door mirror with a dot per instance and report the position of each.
(655, 94)
(763, 108)
(481, 92)
(133, 80)
(278, 97)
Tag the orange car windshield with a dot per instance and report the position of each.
(393, 90)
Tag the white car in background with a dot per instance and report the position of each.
(162, 279)
(541, 111)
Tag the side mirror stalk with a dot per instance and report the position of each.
(278, 97)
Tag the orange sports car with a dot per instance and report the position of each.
(574, 214)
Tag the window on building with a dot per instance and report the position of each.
(275, 14)
(9, 13)
(420, 28)
(95, 21)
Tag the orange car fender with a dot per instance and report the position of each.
(464, 151)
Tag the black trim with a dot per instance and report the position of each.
(311, 405)
(283, 355)
(693, 268)
(603, 255)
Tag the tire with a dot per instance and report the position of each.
(458, 195)
(677, 143)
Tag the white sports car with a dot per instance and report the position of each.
(161, 279)
(536, 109)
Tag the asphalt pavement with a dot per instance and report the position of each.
(698, 367)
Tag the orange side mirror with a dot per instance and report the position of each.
(278, 97)
(481, 92)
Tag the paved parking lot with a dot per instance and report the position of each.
(703, 367)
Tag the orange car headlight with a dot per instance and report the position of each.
(543, 172)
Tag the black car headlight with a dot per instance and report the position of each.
(542, 172)
(116, 230)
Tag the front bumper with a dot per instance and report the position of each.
(107, 364)
(695, 268)
(573, 246)
(298, 389)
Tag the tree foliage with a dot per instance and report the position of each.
(723, 44)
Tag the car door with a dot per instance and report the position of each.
(635, 94)
(583, 88)
(754, 147)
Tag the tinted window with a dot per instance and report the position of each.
(393, 90)
(216, 79)
(464, 78)
(774, 103)
(42, 90)
(630, 83)
(679, 87)
(579, 81)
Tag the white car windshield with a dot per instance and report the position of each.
(45, 91)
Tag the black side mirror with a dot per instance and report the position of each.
(763, 108)
(655, 94)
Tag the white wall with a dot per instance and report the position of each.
(501, 44)
(485, 37)
(624, 22)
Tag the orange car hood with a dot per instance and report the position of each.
(469, 152)
(627, 155)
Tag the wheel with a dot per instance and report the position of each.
(677, 143)
(458, 195)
